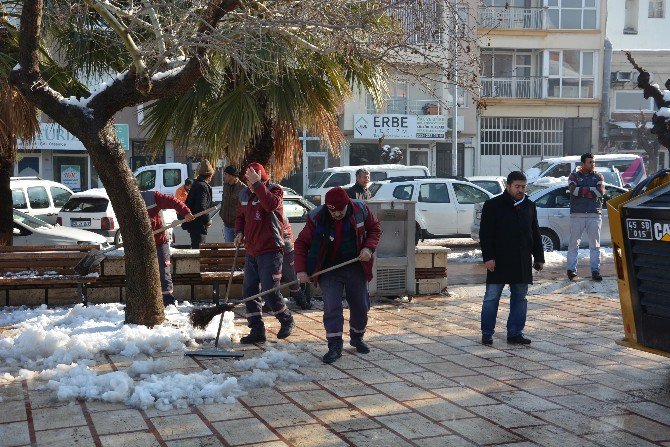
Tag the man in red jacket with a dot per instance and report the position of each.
(338, 231)
(156, 202)
(259, 224)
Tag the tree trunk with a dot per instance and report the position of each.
(6, 205)
(144, 303)
(261, 149)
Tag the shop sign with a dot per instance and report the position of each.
(53, 136)
(400, 127)
(70, 176)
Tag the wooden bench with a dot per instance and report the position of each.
(216, 261)
(44, 267)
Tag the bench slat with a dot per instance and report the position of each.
(48, 248)
(46, 281)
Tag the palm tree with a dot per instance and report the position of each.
(256, 113)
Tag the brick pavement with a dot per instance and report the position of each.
(427, 382)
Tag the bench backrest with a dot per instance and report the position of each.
(218, 257)
(60, 259)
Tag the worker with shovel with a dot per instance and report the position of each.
(340, 230)
(259, 224)
(156, 202)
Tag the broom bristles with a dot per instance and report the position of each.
(200, 318)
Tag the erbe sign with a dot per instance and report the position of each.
(54, 137)
(400, 127)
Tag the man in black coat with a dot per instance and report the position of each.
(199, 199)
(509, 236)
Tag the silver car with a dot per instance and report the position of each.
(553, 215)
(29, 230)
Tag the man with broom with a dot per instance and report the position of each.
(336, 232)
(156, 202)
(260, 225)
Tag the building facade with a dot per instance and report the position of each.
(541, 81)
(638, 27)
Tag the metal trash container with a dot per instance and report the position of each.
(393, 273)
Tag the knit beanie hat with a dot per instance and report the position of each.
(205, 168)
(336, 199)
(260, 169)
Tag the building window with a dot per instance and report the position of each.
(656, 9)
(571, 74)
(536, 137)
(572, 14)
(630, 17)
(632, 101)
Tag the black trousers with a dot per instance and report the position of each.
(197, 239)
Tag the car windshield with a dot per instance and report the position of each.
(373, 188)
(533, 187)
(490, 185)
(611, 177)
(538, 169)
(320, 178)
(86, 205)
(30, 221)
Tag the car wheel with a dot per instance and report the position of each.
(417, 235)
(118, 239)
(550, 241)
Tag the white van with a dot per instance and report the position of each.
(631, 167)
(168, 177)
(345, 176)
(39, 198)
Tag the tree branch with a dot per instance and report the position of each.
(122, 31)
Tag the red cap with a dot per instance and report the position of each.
(336, 199)
(260, 169)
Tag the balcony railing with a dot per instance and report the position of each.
(408, 107)
(512, 17)
(530, 87)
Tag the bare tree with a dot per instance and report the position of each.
(646, 141)
(170, 45)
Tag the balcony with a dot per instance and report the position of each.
(402, 106)
(511, 17)
(528, 87)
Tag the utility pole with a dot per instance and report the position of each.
(454, 128)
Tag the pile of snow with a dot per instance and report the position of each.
(550, 258)
(62, 346)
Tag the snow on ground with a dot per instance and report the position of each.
(62, 346)
(550, 258)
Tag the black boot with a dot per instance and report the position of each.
(257, 335)
(286, 328)
(301, 299)
(359, 344)
(168, 299)
(334, 351)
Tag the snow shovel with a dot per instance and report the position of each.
(216, 352)
(94, 257)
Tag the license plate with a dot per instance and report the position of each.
(639, 229)
(80, 223)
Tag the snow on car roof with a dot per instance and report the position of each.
(375, 167)
(95, 192)
(597, 157)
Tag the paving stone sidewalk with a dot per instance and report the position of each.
(427, 382)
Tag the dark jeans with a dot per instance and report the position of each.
(265, 269)
(197, 239)
(518, 306)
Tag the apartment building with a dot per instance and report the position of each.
(637, 26)
(541, 80)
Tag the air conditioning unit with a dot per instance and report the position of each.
(624, 76)
(393, 273)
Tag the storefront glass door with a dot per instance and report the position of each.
(71, 171)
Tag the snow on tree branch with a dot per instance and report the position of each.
(661, 119)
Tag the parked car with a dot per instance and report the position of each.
(39, 198)
(296, 209)
(611, 175)
(631, 167)
(168, 177)
(345, 176)
(29, 230)
(493, 184)
(553, 215)
(92, 210)
(444, 206)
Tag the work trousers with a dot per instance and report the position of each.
(266, 270)
(351, 280)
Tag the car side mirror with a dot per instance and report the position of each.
(628, 186)
(16, 232)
